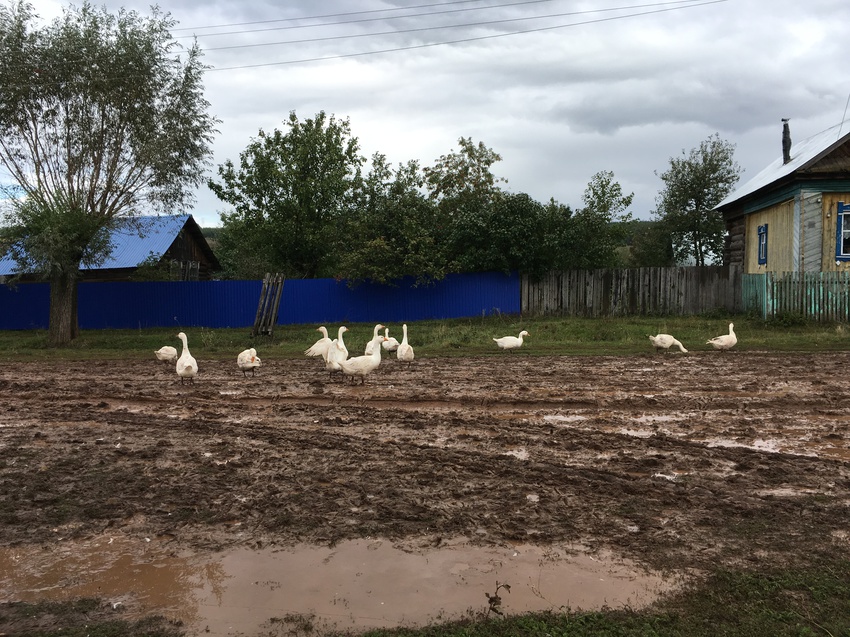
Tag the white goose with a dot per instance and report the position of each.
(166, 353)
(666, 341)
(404, 352)
(187, 366)
(337, 351)
(320, 347)
(390, 342)
(364, 365)
(726, 341)
(248, 360)
(371, 344)
(511, 342)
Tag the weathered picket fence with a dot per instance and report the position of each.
(819, 296)
(634, 291)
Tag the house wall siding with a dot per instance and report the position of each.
(829, 229)
(781, 255)
(811, 232)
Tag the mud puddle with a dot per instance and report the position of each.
(354, 585)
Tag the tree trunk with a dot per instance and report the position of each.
(63, 309)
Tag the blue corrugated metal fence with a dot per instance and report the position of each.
(222, 304)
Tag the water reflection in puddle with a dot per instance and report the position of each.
(354, 585)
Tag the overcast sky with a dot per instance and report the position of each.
(561, 89)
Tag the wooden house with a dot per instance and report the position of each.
(791, 216)
(164, 247)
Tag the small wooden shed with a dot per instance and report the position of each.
(172, 246)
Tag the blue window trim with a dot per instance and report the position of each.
(762, 245)
(843, 210)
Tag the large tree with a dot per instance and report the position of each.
(693, 185)
(101, 116)
(291, 196)
(465, 190)
(390, 234)
(599, 228)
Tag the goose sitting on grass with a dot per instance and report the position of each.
(724, 342)
(511, 343)
(187, 366)
(665, 342)
(248, 360)
(364, 365)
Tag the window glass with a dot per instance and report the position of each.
(762, 258)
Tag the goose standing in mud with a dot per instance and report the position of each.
(364, 365)
(665, 342)
(320, 347)
(337, 351)
(166, 353)
(187, 366)
(404, 353)
(725, 341)
(248, 360)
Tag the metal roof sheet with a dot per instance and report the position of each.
(130, 248)
(803, 154)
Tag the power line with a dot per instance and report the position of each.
(460, 41)
(356, 13)
(681, 4)
(687, 3)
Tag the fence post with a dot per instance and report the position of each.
(268, 306)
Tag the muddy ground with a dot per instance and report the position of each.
(681, 462)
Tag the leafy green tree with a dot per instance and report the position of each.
(556, 244)
(99, 118)
(291, 195)
(599, 228)
(693, 185)
(651, 246)
(391, 233)
(509, 235)
(464, 189)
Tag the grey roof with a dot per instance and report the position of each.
(803, 155)
(129, 248)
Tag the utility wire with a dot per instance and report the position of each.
(460, 41)
(681, 4)
(402, 17)
(451, 26)
(843, 117)
(356, 13)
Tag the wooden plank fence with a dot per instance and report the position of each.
(268, 306)
(818, 296)
(634, 291)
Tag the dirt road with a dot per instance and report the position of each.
(679, 462)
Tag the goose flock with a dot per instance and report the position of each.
(335, 355)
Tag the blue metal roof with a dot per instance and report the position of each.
(129, 248)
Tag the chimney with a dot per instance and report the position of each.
(786, 141)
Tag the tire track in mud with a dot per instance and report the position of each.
(655, 457)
